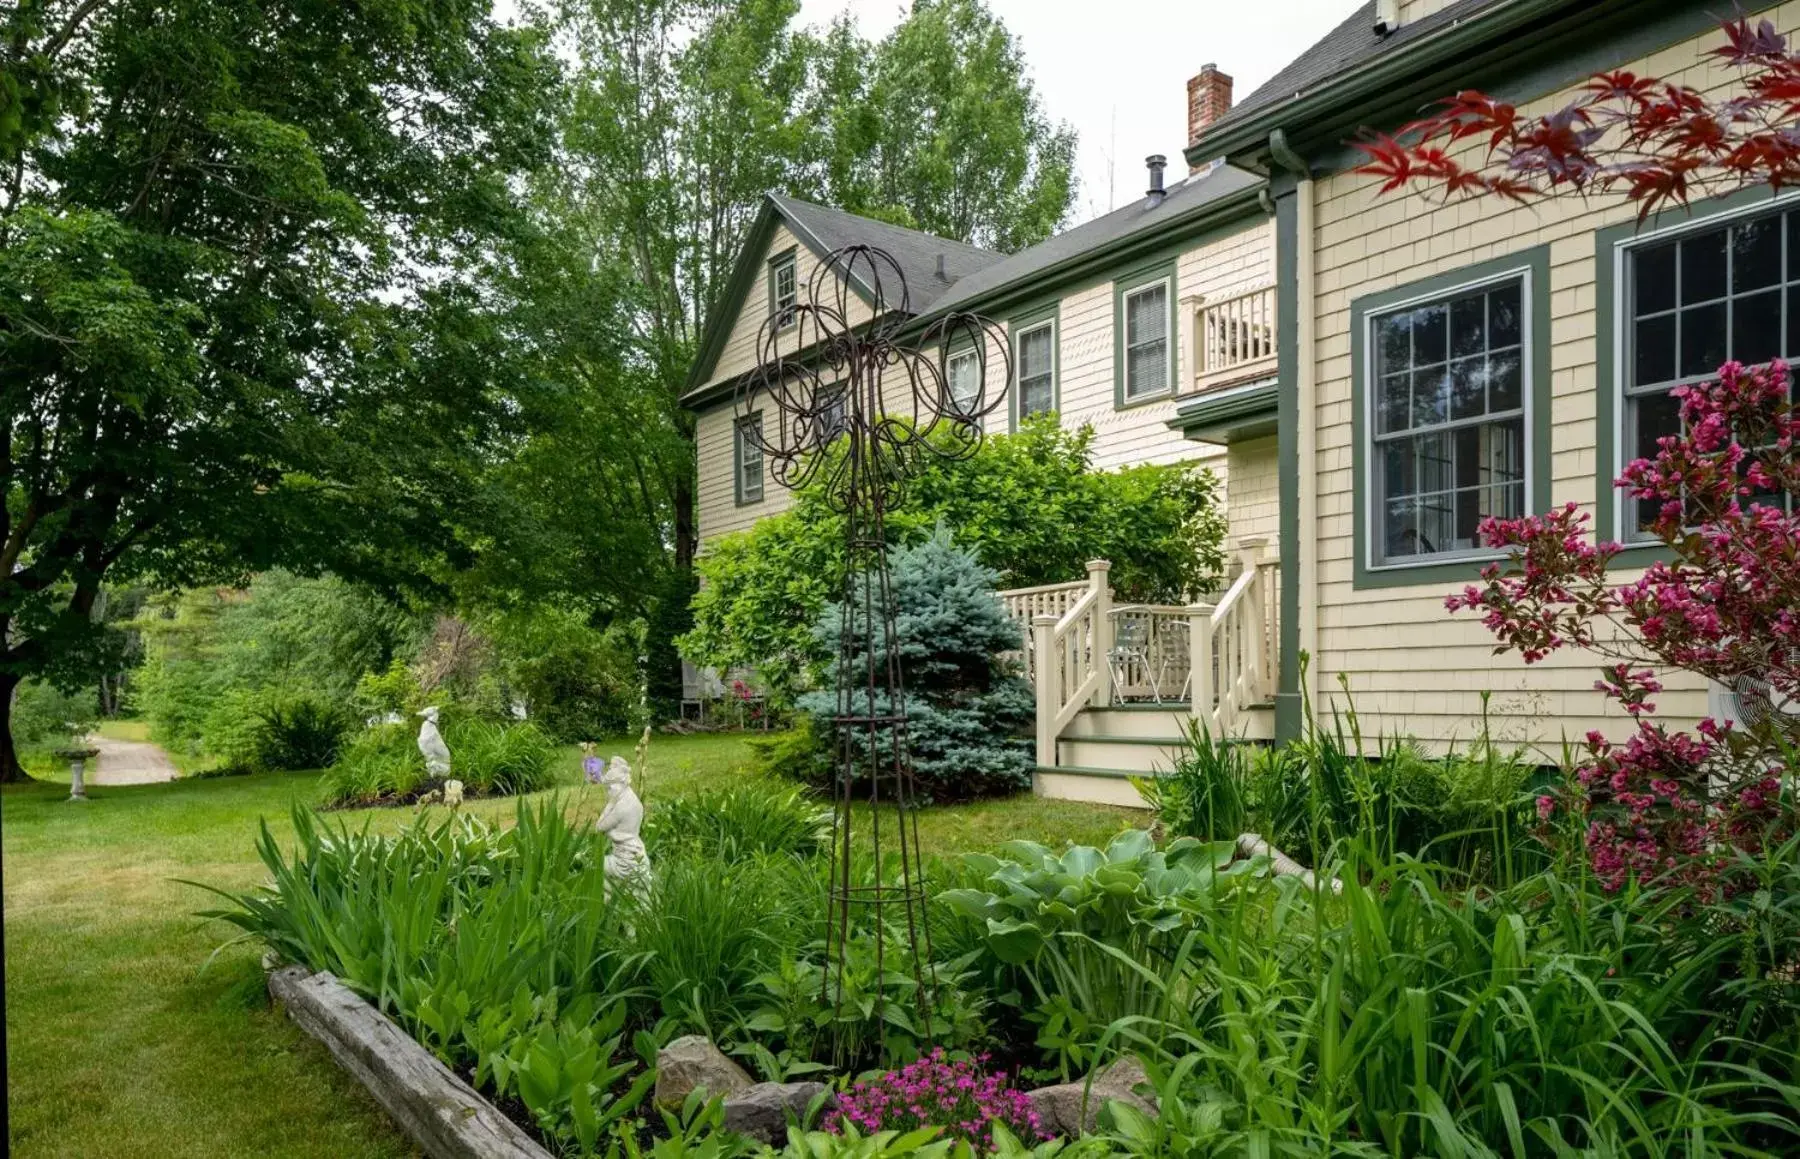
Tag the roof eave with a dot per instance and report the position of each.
(1240, 139)
(1033, 285)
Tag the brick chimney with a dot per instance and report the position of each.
(1209, 98)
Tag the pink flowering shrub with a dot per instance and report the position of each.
(1668, 805)
(937, 1091)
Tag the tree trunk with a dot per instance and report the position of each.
(11, 771)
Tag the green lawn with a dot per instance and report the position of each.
(126, 1041)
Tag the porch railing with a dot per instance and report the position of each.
(1235, 338)
(1213, 658)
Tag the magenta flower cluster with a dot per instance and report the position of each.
(939, 1091)
(1667, 805)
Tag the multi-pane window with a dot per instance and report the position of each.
(1036, 352)
(1147, 371)
(962, 374)
(834, 411)
(1449, 392)
(747, 459)
(1694, 303)
(783, 289)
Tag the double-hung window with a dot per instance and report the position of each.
(1692, 303)
(1448, 396)
(962, 377)
(747, 459)
(1149, 369)
(784, 289)
(1035, 349)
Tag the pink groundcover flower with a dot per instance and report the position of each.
(939, 1091)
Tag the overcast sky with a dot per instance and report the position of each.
(1117, 70)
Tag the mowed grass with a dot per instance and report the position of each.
(128, 1036)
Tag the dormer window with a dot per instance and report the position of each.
(784, 289)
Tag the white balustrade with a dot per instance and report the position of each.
(1234, 337)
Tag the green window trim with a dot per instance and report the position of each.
(1123, 287)
(1022, 323)
(1533, 266)
(1611, 245)
(785, 260)
(742, 494)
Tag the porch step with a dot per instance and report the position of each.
(1153, 721)
(1139, 756)
(1097, 786)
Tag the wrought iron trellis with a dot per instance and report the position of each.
(853, 406)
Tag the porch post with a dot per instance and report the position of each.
(1200, 665)
(1047, 685)
(1099, 579)
(1253, 554)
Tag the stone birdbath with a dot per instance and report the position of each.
(78, 759)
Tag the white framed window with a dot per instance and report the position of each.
(1692, 298)
(1149, 366)
(962, 377)
(784, 289)
(1448, 414)
(1035, 372)
(747, 459)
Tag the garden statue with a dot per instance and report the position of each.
(432, 746)
(621, 820)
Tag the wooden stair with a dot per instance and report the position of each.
(1104, 748)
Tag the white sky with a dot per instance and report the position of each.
(1117, 70)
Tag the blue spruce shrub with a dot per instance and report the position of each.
(968, 711)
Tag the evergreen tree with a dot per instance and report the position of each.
(968, 710)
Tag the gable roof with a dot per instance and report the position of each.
(914, 251)
(1183, 201)
(976, 276)
(1350, 44)
(823, 230)
(1353, 77)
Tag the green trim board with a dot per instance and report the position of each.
(1030, 319)
(1610, 247)
(1124, 285)
(737, 462)
(1227, 416)
(1534, 266)
(1289, 704)
(1513, 51)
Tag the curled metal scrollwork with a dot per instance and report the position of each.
(848, 396)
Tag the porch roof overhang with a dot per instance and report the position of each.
(1231, 415)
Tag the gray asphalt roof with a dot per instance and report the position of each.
(1137, 217)
(1350, 44)
(915, 252)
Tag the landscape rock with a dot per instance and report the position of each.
(1062, 1110)
(761, 1111)
(693, 1061)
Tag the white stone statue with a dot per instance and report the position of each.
(621, 820)
(432, 746)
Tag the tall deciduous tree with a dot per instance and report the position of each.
(242, 259)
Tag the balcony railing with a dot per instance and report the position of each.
(1234, 338)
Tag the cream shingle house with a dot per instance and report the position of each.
(1370, 374)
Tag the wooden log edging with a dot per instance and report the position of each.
(439, 1111)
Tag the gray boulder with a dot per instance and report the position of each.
(1074, 1108)
(761, 1111)
(691, 1062)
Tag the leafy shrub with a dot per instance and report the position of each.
(741, 821)
(1031, 507)
(45, 714)
(382, 763)
(299, 731)
(500, 758)
(577, 681)
(937, 1091)
(968, 713)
